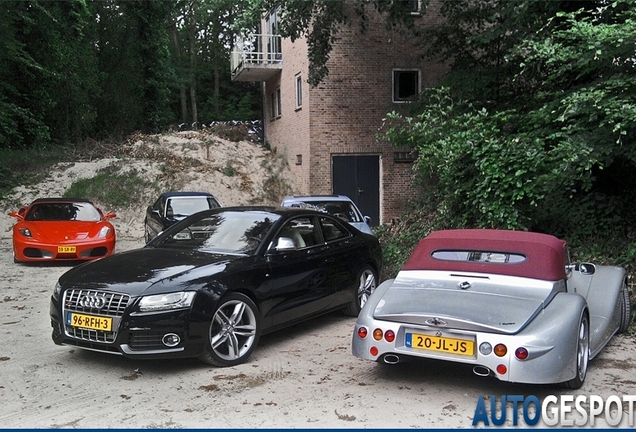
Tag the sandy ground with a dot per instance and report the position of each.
(302, 377)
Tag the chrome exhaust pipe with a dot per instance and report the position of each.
(481, 371)
(391, 359)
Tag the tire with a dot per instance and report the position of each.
(582, 354)
(626, 309)
(365, 286)
(234, 331)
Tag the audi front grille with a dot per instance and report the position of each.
(98, 303)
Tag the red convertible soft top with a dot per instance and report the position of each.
(537, 256)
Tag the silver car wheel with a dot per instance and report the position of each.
(582, 354)
(366, 286)
(233, 331)
(583, 349)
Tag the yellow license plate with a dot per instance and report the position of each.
(440, 344)
(66, 249)
(89, 321)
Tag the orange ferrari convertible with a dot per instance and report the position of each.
(62, 229)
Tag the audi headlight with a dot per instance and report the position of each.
(178, 300)
(57, 291)
(104, 231)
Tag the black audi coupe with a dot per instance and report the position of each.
(211, 284)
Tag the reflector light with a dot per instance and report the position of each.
(485, 348)
(521, 353)
(389, 336)
(377, 334)
(362, 332)
(502, 369)
(500, 350)
(373, 351)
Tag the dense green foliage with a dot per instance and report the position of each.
(556, 153)
(77, 69)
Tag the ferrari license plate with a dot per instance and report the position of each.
(89, 321)
(440, 344)
(66, 249)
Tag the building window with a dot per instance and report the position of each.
(416, 7)
(299, 91)
(406, 85)
(275, 103)
(272, 107)
(404, 156)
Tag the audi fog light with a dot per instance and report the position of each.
(171, 340)
(178, 300)
(485, 348)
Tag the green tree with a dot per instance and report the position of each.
(48, 72)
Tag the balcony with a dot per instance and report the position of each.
(257, 58)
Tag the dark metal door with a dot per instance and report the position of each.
(358, 177)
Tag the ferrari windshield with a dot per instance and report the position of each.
(63, 211)
(225, 232)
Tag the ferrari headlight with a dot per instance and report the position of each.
(25, 232)
(104, 231)
(178, 300)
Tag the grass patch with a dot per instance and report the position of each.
(112, 187)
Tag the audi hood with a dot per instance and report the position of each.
(149, 270)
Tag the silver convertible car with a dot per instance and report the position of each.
(509, 303)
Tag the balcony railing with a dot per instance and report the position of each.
(257, 58)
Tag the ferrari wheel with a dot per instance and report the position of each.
(366, 284)
(234, 331)
(626, 309)
(582, 354)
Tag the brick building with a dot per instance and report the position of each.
(329, 132)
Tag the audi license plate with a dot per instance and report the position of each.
(66, 249)
(89, 321)
(447, 345)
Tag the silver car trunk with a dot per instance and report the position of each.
(467, 301)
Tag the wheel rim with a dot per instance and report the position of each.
(233, 330)
(366, 286)
(583, 350)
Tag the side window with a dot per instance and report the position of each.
(159, 205)
(301, 231)
(331, 230)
